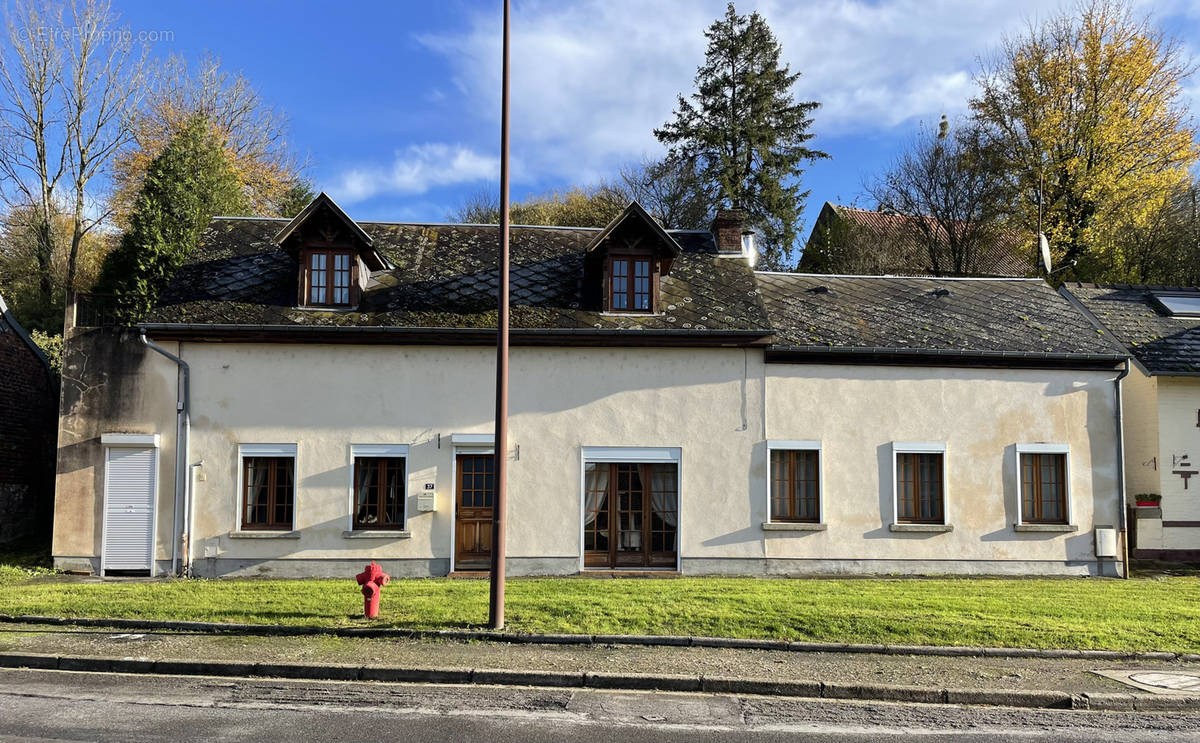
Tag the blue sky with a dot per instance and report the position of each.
(397, 103)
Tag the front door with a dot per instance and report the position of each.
(129, 488)
(474, 499)
(630, 515)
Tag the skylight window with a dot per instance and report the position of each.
(1180, 305)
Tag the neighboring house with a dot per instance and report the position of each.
(28, 410)
(671, 409)
(848, 240)
(1160, 328)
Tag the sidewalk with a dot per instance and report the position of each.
(1030, 682)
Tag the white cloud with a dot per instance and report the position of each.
(592, 79)
(417, 169)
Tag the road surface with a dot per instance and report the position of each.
(61, 705)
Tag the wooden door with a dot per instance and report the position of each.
(474, 499)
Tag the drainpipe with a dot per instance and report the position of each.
(182, 430)
(1121, 509)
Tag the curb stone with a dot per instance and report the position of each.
(617, 681)
(566, 639)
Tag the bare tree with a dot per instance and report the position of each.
(950, 197)
(672, 190)
(69, 77)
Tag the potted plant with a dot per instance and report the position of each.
(1148, 500)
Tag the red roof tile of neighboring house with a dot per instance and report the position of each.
(1010, 256)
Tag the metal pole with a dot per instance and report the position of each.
(496, 603)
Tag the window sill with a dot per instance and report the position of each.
(264, 535)
(922, 528)
(1046, 527)
(793, 526)
(377, 534)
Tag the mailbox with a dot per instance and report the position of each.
(426, 502)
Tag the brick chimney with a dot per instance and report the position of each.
(727, 230)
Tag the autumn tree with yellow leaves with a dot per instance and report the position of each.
(1085, 110)
(254, 132)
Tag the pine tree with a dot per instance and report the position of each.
(746, 133)
(189, 182)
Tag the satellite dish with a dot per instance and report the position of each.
(1044, 249)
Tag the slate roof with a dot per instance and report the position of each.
(1010, 256)
(443, 276)
(887, 313)
(1162, 343)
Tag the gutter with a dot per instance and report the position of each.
(455, 336)
(940, 357)
(183, 425)
(1122, 517)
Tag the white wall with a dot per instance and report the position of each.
(710, 403)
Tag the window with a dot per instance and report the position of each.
(1180, 305)
(795, 485)
(630, 284)
(920, 487)
(630, 507)
(379, 492)
(268, 495)
(329, 278)
(1044, 486)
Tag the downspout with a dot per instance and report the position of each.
(182, 431)
(1121, 509)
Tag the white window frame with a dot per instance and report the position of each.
(639, 455)
(363, 451)
(267, 450)
(1064, 449)
(797, 445)
(920, 447)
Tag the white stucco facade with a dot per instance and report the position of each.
(717, 408)
(1162, 435)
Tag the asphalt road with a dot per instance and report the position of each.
(59, 705)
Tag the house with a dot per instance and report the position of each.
(1159, 326)
(28, 414)
(846, 240)
(315, 393)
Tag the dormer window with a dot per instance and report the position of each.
(333, 255)
(329, 278)
(625, 263)
(631, 284)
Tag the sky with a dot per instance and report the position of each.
(396, 104)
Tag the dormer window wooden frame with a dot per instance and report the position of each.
(626, 262)
(329, 277)
(632, 283)
(334, 256)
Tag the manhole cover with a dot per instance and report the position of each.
(1174, 681)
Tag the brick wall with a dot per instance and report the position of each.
(28, 424)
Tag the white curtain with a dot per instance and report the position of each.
(361, 491)
(595, 489)
(664, 489)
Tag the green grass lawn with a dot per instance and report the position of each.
(1139, 614)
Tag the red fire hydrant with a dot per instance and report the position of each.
(372, 580)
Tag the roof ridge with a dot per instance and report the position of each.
(898, 276)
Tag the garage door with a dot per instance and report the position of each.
(129, 487)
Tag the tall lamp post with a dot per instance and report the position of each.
(500, 452)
